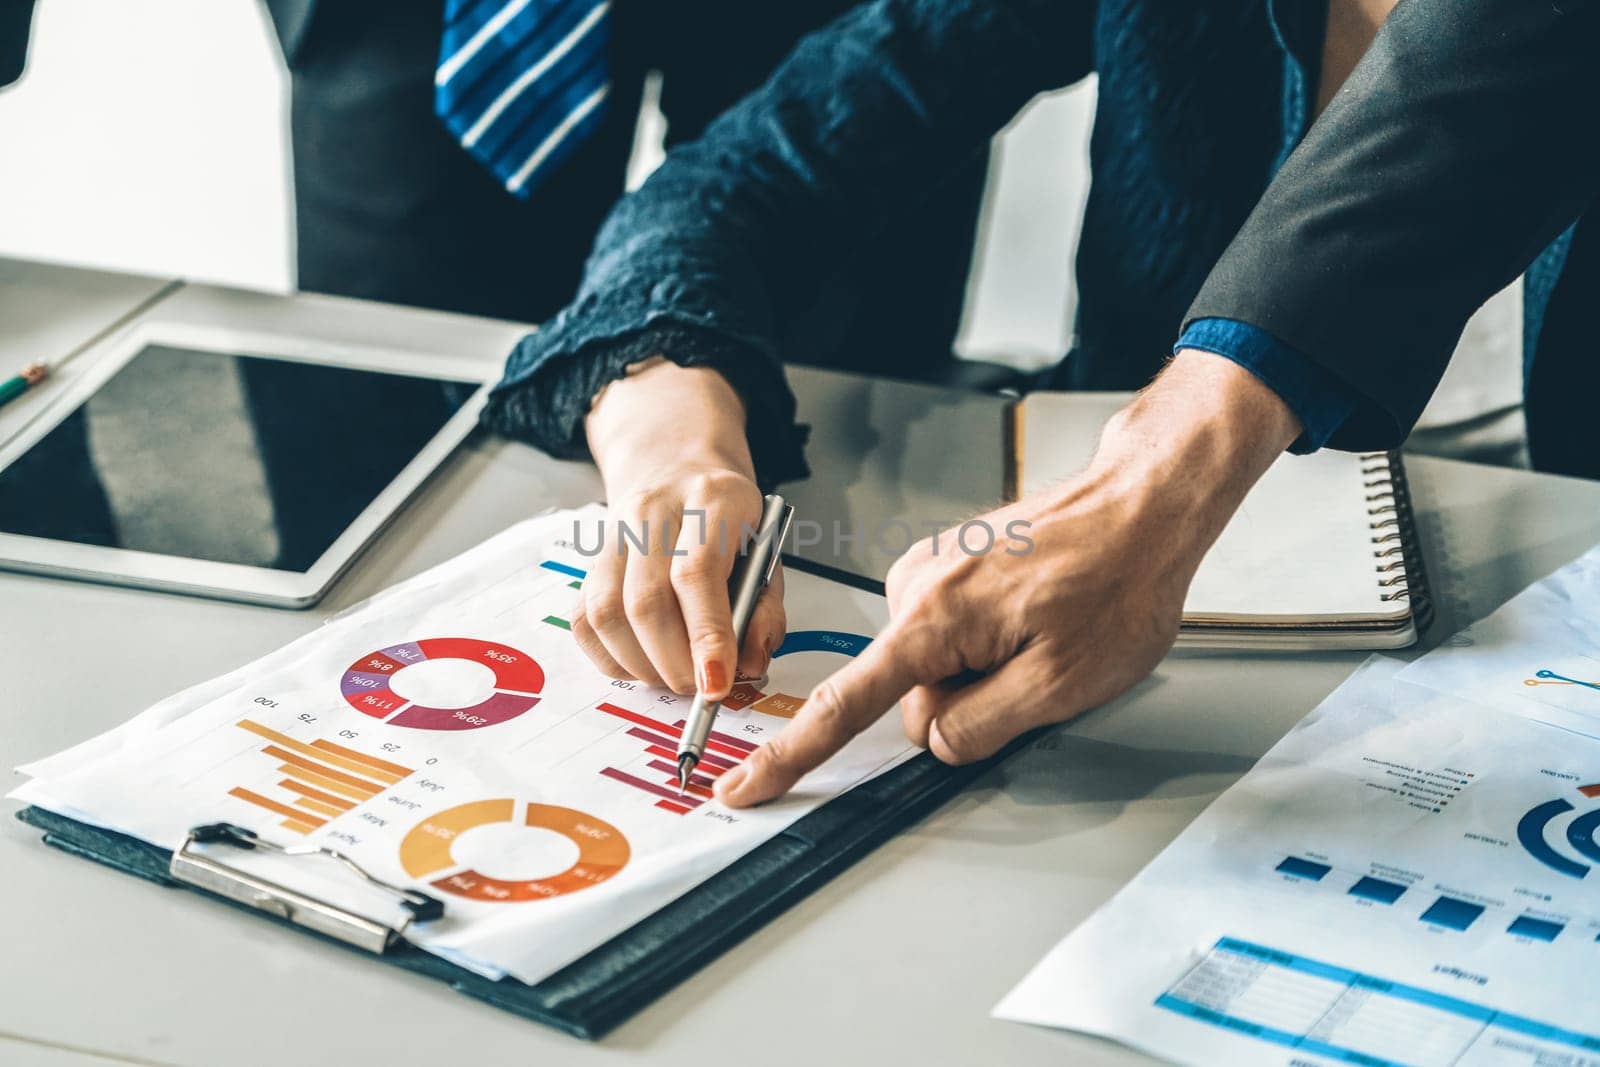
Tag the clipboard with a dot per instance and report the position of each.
(602, 989)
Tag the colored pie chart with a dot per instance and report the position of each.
(790, 668)
(428, 851)
(443, 683)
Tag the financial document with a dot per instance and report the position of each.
(1537, 656)
(1408, 877)
(448, 735)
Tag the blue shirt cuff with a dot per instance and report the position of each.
(1319, 400)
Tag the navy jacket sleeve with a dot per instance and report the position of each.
(1455, 152)
(714, 254)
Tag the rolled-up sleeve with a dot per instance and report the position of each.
(710, 261)
(1319, 400)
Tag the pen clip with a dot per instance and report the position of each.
(775, 545)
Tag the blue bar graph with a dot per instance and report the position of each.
(1539, 929)
(1377, 890)
(562, 568)
(1299, 868)
(1453, 913)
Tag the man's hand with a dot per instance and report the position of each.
(670, 442)
(982, 648)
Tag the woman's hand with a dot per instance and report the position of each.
(981, 648)
(670, 442)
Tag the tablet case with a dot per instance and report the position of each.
(602, 989)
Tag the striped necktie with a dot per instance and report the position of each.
(521, 83)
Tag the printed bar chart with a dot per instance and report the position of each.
(324, 780)
(1538, 929)
(1452, 913)
(661, 743)
(1295, 867)
(1377, 890)
(577, 575)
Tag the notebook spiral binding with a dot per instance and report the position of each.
(1396, 550)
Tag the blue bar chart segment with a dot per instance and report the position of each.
(1452, 913)
(1537, 929)
(577, 574)
(1295, 867)
(1377, 890)
(562, 568)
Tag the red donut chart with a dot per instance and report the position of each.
(518, 682)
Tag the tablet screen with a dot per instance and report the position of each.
(231, 458)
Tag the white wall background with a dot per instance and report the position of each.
(150, 136)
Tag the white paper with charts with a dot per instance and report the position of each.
(1406, 878)
(448, 734)
(1538, 655)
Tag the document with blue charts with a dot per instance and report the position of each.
(1406, 878)
(1538, 655)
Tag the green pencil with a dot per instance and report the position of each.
(26, 379)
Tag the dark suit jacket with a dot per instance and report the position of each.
(1462, 146)
(1461, 152)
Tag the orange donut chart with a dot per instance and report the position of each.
(425, 850)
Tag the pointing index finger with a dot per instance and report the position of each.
(838, 709)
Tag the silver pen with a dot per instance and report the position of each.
(751, 573)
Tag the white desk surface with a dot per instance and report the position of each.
(897, 960)
(48, 311)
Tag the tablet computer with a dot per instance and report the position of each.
(213, 462)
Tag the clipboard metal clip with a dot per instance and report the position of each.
(208, 873)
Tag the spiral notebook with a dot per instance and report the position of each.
(1322, 554)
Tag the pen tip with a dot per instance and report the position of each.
(686, 764)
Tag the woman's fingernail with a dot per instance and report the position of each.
(713, 676)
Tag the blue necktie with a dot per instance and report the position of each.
(521, 83)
